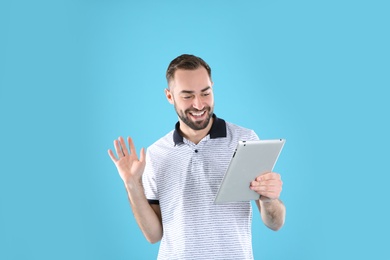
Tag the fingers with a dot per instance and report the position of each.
(123, 146)
(118, 149)
(142, 156)
(267, 188)
(112, 156)
(133, 151)
(121, 150)
(272, 193)
(269, 176)
(132, 147)
(268, 185)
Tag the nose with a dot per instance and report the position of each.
(197, 103)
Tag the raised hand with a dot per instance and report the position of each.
(130, 168)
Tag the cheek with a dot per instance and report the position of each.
(182, 105)
(210, 101)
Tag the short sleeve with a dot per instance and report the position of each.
(149, 180)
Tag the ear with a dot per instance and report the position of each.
(169, 96)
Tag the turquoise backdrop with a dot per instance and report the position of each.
(75, 75)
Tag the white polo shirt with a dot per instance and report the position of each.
(183, 178)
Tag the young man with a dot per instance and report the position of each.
(172, 187)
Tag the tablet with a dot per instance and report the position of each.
(250, 159)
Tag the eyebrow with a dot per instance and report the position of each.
(191, 92)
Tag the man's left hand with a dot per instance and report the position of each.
(268, 185)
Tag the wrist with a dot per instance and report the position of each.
(132, 184)
(265, 199)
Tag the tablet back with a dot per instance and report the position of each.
(250, 159)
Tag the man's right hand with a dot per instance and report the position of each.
(129, 167)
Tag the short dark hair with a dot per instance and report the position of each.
(185, 62)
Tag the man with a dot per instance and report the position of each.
(172, 187)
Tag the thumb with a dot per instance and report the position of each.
(142, 155)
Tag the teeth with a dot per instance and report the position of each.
(198, 114)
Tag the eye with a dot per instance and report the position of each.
(187, 97)
(206, 94)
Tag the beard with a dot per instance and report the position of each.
(195, 125)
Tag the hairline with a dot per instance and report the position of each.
(173, 76)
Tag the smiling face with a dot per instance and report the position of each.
(192, 96)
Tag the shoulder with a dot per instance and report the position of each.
(164, 143)
(157, 152)
(240, 132)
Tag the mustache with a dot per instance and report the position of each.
(197, 110)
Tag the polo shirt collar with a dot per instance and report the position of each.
(217, 130)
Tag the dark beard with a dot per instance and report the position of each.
(195, 125)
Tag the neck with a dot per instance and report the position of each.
(195, 135)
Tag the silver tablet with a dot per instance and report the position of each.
(250, 159)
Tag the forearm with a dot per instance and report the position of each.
(147, 218)
(273, 213)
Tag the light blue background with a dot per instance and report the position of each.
(75, 75)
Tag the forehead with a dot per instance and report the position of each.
(193, 80)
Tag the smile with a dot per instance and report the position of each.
(198, 114)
